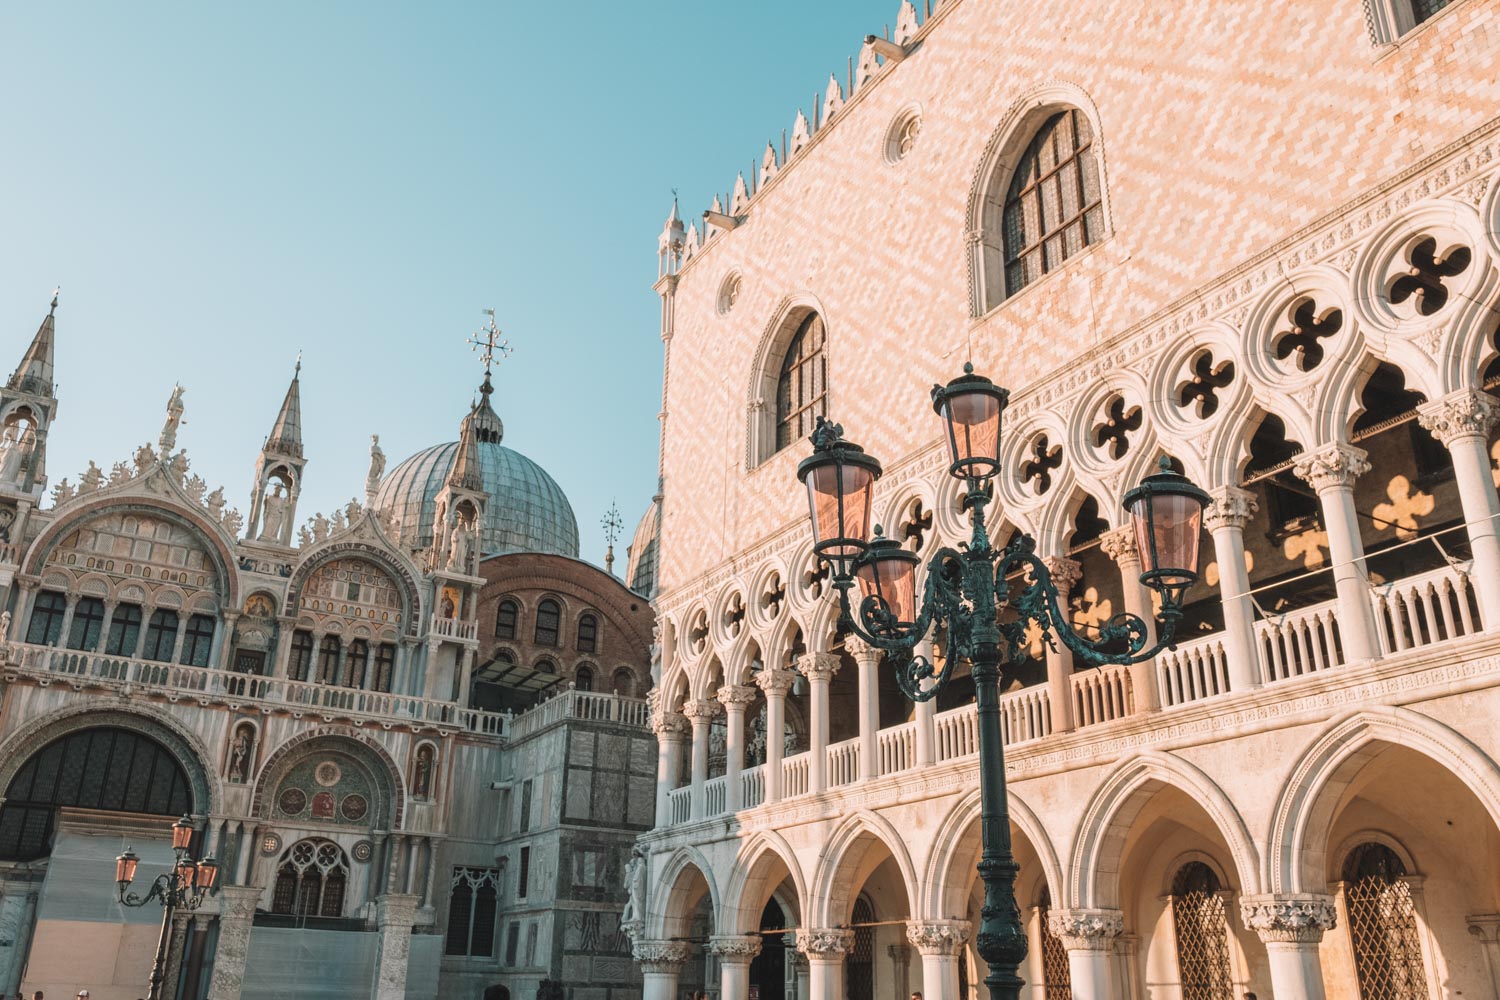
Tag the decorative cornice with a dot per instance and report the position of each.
(818, 666)
(1302, 919)
(661, 956)
(825, 942)
(1332, 467)
(1465, 413)
(938, 937)
(1231, 507)
(775, 680)
(735, 949)
(1086, 930)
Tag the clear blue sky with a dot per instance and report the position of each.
(218, 186)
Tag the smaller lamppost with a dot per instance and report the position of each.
(184, 885)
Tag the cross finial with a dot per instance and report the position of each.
(55, 292)
(612, 526)
(488, 342)
(297, 369)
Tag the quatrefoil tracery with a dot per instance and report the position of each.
(816, 578)
(734, 614)
(1423, 281)
(774, 595)
(698, 632)
(1043, 458)
(1201, 392)
(1112, 434)
(914, 526)
(1307, 328)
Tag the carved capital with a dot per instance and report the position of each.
(826, 942)
(669, 725)
(775, 680)
(1289, 918)
(1484, 926)
(1119, 544)
(1086, 930)
(1231, 507)
(861, 650)
(735, 697)
(1333, 466)
(938, 937)
(818, 666)
(736, 949)
(660, 956)
(1465, 413)
(1064, 572)
(701, 710)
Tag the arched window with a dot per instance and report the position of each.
(1383, 925)
(328, 660)
(359, 664)
(1388, 20)
(302, 650)
(624, 682)
(861, 963)
(161, 635)
(385, 666)
(471, 911)
(1057, 980)
(312, 879)
(124, 630)
(1202, 934)
(546, 666)
(548, 622)
(199, 641)
(47, 618)
(111, 769)
(588, 634)
(88, 624)
(1054, 206)
(506, 616)
(802, 386)
(583, 677)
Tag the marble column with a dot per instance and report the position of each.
(825, 949)
(819, 669)
(799, 968)
(701, 714)
(1485, 927)
(236, 913)
(282, 652)
(671, 729)
(735, 953)
(1089, 937)
(1291, 926)
(70, 605)
(660, 963)
(941, 945)
(222, 646)
(925, 713)
(1065, 573)
(867, 658)
(1225, 518)
(182, 620)
(1331, 472)
(394, 915)
(1120, 546)
(735, 699)
(775, 682)
(1462, 421)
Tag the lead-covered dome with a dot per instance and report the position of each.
(640, 570)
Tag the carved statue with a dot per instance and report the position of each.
(215, 502)
(144, 458)
(180, 465)
(118, 473)
(232, 522)
(62, 492)
(319, 526)
(273, 518)
(14, 444)
(460, 546)
(635, 886)
(304, 536)
(91, 479)
(4, 626)
(352, 510)
(421, 780)
(168, 439)
(338, 520)
(377, 467)
(239, 755)
(7, 518)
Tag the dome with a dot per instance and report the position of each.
(527, 510)
(640, 570)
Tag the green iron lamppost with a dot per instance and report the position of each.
(184, 885)
(970, 593)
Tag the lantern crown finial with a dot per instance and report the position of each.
(826, 434)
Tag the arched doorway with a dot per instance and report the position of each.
(768, 969)
(497, 992)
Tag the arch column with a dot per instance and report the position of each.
(735, 699)
(825, 949)
(1225, 519)
(701, 714)
(867, 658)
(1120, 546)
(660, 963)
(775, 682)
(218, 656)
(140, 637)
(1462, 421)
(819, 669)
(25, 605)
(671, 729)
(941, 944)
(1064, 572)
(281, 658)
(735, 953)
(236, 913)
(70, 605)
(1331, 472)
(406, 649)
(1089, 937)
(1291, 926)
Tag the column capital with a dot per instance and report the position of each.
(1229, 507)
(734, 949)
(396, 910)
(1064, 572)
(736, 697)
(818, 666)
(1332, 466)
(824, 942)
(1287, 917)
(238, 901)
(669, 724)
(938, 937)
(861, 650)
(775, 680)
(1465, 413)
(701, 710)
(1119, 544)
(660, 956)
(1484, 926)
(1086, 930)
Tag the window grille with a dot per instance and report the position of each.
(1054, 207)
(802, 387)
(548, 622)
(1057, 979)
(161, 636)
(1383, 926)
(124, 630)
(1202, 934)
(302, 648)
(583, 677)
(328, 660)
(47, 618)
(471, 911)
(862, 958)
(505, 619)
(588, 634)
(312, 879)
(199, 640)
(1423, 10)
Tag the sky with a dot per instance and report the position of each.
(217, 187)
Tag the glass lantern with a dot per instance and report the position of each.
(888, 573)
(970, 406)
(1166, 510)
(840, 480)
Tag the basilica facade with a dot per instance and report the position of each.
(1261, 245)
(404, 729)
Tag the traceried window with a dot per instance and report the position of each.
(88, 624)
(1383, 925)
(198, 642)
(861, 961)
(1202, 934)
(312, 880)
(385, 666)
(506, 616)
(328, 660)
(802, 387)
(588, 634)
(302, 652)
(1054, 207)
(124, 630)
(47, 618)
(548, 622)
(161, 636)
(471, 911)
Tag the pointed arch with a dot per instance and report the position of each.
(751, 882)
(943, 897)
(832, 893)
(673, 899)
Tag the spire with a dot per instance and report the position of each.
(612, 526)
(286, 435)
(466, 473)
(34, 374)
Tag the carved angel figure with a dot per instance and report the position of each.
(168, 439)
(91, 480)
(144, 458)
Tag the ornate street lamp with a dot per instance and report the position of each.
(184, 885)
(968, 593)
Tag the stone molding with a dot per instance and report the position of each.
(1230, 507)
(775, 680)
(1064, 572)
(818, 666)
(1465, 413)
(825, 942)
(660, 956)
(1086, 930)
(1332, 466)
(861, 650)
(1485, 927)
(703, 710)
(734, 949)
(938, 937)
(735, 697)
(1119, 544)
(396, 910)
(1280, 917)
(670, 724)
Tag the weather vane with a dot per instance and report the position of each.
(612, 526)
(489, 343)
